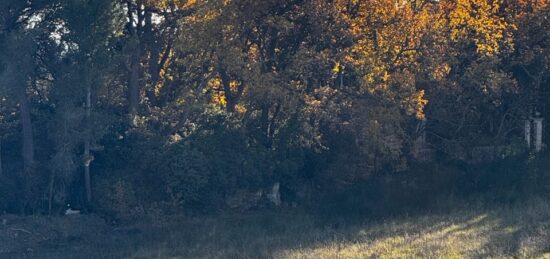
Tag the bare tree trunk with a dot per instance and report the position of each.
(133, 86)
(50, 191)
(134, 30)
(87, 156)
(264, 124)
(27, 149)
(26, 129)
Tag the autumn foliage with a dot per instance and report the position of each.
(184, 104)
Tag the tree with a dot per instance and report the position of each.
(18, 42)
(473, 97)
(150, 31)
(79, 67)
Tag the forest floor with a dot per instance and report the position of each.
(502, 231)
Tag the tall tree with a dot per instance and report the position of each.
(151, 28)
(79, 68)
(18, 56)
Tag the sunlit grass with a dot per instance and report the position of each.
(521, 231)
(512, 232)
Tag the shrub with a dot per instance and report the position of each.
(187, 174)
(117, 199)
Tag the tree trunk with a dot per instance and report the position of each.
(87, 178)
(1, 171)
(87, 156)
(226, 84)
(264, 124)
(26, 129)
(133, 87)
(157, 62)
(50, 191)
(27, 149)
(134, 75)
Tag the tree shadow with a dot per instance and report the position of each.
(522, 231)
(291, 235)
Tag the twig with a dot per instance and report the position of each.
(20, 229)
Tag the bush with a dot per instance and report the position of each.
(117, 199)
(188, 176)
(440, 186)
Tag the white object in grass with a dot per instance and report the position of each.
(70, 211)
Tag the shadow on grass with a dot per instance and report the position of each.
(520, 231)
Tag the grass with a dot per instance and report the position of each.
(521, 230)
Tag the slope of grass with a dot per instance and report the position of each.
(513, 231)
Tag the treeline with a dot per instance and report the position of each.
(140, 106)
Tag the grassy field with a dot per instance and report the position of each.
(515, 231)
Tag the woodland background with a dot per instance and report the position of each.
(132, 108)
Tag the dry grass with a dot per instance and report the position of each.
(512, 232)
(517, 231)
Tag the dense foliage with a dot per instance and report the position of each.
(133, 107)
